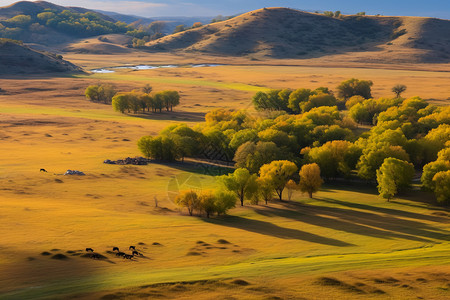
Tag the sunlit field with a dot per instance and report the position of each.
(345, 243)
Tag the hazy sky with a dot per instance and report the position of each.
(153, 8)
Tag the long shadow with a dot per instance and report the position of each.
(267, 228)
(338, 224)
(389, 211)
(173, 115)
(197, 167)
(357, 222)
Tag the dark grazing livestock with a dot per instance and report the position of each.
(116, 249)
(43, 170)
(89, 249)
(132, 247)
(135, 252)
(120, 254)
(128, 256)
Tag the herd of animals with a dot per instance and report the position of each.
(118, 253)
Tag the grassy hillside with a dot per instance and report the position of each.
(288, 33)
(49, 24)
(15, 58)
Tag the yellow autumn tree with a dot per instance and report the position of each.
(310, 180)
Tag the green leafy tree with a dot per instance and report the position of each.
(430, 170)
(120, 103)
(159, 148)
(241, 182)
(394, 175)
(297, 97)
(278, 173)
(224, 200)
(353, 101)
(310, 180)
(335, 158)
(374, 156)
(354, 87)
(318, 100)
(253, 156)
(207, 203)
(442, 186)
(266, 189)
(145, 146)
(170, 99)
(242, 137)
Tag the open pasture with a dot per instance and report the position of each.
(346, 243)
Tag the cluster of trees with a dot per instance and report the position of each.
(272, 179)
(78, 24)
(142, 100)
(337, 14)
(182, 27)
(406, 133)
(302, 100)
(207, 202)
(103, 93)
(436, 176)
(135, 100)
(145, 33)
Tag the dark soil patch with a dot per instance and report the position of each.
(193, 253)
(240, 282)
(222, 241)
(328, 281)
(60, 256)
(45, 253)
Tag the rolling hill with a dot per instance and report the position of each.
(288, 33)
(48, 24)
(34, 8)
(16, 58)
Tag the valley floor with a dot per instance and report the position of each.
(345, 243)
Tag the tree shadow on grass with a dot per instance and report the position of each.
(188, 116)
(389, 211)
(359, 222)
(267, 228)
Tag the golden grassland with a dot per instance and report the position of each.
(346, 243)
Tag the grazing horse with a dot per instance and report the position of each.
(89, 249)
(132, 247)
(116, 248)
(135, 252)
(43, 170)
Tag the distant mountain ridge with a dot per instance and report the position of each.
(288, 33)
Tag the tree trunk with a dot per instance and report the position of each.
(242, 200)
(280, 194)
(310, 194)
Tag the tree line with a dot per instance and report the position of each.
(406, 136)
(133, 101)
